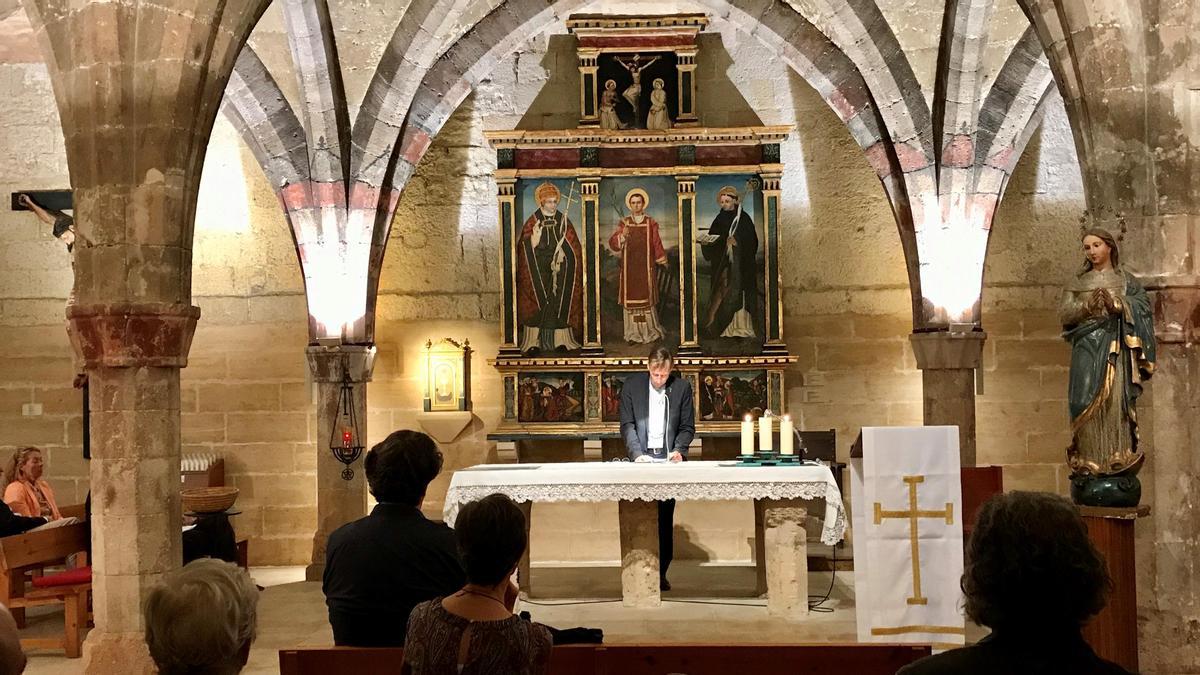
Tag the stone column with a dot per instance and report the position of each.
(781, 548)
(132, 354)
(639, 553)
(948, 362)
(339, 501)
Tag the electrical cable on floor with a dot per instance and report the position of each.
(815, 603)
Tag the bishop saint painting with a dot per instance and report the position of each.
(549, 278)
(637, 241)
(731, 248)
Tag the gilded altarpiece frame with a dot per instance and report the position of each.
(614, 240)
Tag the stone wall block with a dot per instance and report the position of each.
(267, 427)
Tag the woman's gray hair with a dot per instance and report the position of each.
(201, 619)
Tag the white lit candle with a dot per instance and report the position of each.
(765, 442)
(785, 435)
(748, 435)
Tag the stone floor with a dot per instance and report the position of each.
(708, 604)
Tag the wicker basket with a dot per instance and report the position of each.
(208, 499)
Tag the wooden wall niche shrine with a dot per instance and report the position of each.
(616, 238)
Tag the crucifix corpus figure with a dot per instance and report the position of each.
(633, 93)
(64, 225)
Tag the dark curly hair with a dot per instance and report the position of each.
(1030, 565)
(491, 538)
(400, 467)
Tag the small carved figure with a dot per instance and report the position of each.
(659, 118)
(633, 93)
(608, 107)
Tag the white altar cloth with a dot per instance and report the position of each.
(629, 481)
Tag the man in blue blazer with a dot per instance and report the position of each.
(658, 423)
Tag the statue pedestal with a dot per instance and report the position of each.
(1113, 632)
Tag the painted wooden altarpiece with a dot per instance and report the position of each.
(640, 227)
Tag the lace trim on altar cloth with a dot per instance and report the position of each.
(831, 532)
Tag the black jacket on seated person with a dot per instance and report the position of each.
(1027, 653)
(379, 567)
(11, 523)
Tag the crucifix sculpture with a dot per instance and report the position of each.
(912, 514)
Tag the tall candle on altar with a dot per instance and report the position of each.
(765, 441)
(786, 435)
(748, 435)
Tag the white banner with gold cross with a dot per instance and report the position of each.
(906, 499)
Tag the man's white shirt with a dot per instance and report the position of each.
(656, 420)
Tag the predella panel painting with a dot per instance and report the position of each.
(731, 394)
(550, 397)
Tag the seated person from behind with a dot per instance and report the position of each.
(379, 567)
(25, 492)
(1034, 578)
(202, 618)
(474, 630)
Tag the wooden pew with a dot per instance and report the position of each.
(24, 553)
(633, 659)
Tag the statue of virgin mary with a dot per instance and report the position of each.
(1107, 318)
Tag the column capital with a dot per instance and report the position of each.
(948, 350)
(129, 335)
(327, 364)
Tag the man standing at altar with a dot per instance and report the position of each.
(658, 424)
(637, 241)
(549, 277)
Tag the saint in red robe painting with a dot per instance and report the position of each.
(549, 278)
(637, 242)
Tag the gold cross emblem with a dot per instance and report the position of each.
(913, 514)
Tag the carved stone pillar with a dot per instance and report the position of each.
(948, 362)
(339, 501)
(639, 553)
(132, 354)
(781, 551)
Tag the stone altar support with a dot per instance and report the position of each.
(908, 542)
(777, 492)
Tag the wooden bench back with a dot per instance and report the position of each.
(45, 546)
(685, 659)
